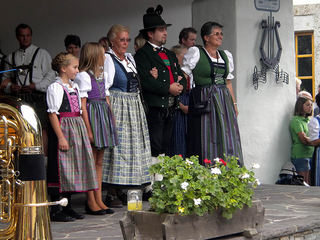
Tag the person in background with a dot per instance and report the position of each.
(2, 66)
(31, 83)
(160, 93)
(316, 110)
(105, 43)
(301, 150)
(188, 37)
(97, 115)
(314, 135)
(305, 94)
(73, 44)
(127, 164)
(298, 85)
(213, 130)
(178, 143)
(139, 42)
(71, 165)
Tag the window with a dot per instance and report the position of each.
(305, 60)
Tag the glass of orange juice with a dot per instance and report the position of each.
(134, 197)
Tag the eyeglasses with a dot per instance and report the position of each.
(217, 34)
(125, 40)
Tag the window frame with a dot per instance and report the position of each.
(298, 56)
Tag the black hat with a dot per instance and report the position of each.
(152, 18)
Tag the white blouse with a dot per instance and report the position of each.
(109, 69)
(84, 81)
(314, 129)
(191, 58)
(55, 94)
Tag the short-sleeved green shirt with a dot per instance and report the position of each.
(298, 149)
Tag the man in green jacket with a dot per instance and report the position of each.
(160, 90)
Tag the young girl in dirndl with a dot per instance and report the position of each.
(97, 115)
(70, 160)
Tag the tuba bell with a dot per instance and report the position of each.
(23, 192)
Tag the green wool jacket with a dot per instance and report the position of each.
(156, 91)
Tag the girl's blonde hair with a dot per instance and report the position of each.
(178, 49)
(139, 42)
(61, 60)
(92, 58)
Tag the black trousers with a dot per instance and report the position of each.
(160, 124)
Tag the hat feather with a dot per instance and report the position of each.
(159, 10)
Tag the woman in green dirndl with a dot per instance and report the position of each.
(212, 121)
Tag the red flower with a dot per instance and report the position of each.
(223, 162)
(206, 160)
(180, 155)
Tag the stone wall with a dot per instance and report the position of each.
(313, 234)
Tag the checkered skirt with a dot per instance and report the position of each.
(129, 162)
(77, 172)
(102, 123)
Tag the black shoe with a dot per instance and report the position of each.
(98, 212)
(109, 211)
(61, 217)
(72, 213)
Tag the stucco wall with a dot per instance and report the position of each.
(307, 18)
(264, 114)
(53, 20)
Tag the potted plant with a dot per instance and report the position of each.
(188, 194)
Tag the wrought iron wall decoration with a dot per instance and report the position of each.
(269, 61)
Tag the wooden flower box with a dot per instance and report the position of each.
(146, 225)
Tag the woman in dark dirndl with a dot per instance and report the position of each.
(213, 130)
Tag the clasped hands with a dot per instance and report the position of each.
(175, 88)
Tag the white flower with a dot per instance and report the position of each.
(189, 162)
(256, 166)
(158, 177)
(184, 185)
(215, 171)
(244, 176)
(257, 182)
(216, 159)
(197, 201)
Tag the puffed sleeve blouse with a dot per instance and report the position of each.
(191, 58)
(314, 129)
(55, 94)
(129, 64)
(84, 81)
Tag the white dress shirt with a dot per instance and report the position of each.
(43, 75)
(314, 129)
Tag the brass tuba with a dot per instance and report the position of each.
(23, 201)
